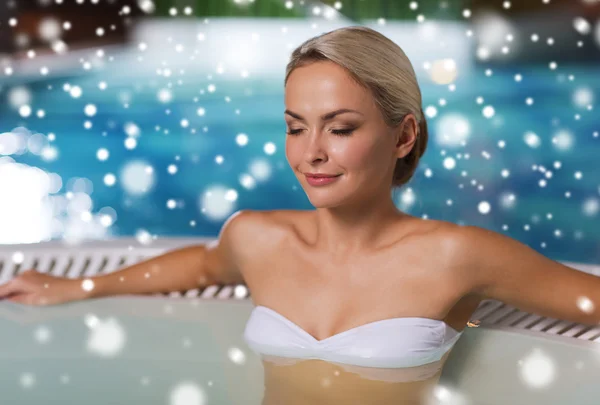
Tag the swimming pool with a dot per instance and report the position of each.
(187, 348)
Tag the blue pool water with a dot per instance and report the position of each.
(254, 107)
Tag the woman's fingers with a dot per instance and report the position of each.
(19, 299)
(33, 288)
(7, 289)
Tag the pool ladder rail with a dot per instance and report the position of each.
(101, 257)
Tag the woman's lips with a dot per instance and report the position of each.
(321, 181)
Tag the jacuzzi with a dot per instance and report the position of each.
(187, 348)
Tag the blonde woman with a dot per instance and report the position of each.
(356, 282)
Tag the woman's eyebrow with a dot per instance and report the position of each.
(325, 117)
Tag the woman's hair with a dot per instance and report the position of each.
(378, 64)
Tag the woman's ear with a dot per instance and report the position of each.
(407, 133)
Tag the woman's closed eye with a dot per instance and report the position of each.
(343, 131)
(293, 131)
(340, 132)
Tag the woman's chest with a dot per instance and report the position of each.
(327, 298)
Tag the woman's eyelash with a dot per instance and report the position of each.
(340, 132)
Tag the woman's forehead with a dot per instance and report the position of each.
(323, 92)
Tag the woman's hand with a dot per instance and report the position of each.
(34, 288)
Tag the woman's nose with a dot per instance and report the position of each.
(315, 148)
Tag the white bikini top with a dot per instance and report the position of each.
(389, 343)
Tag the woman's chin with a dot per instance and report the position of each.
(324, 201)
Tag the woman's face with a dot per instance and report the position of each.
(334, 127)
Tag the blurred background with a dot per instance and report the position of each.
(158, 118)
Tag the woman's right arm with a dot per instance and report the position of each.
(176, 270)
(183, 269)
(186, 268)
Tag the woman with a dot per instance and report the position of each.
(356, 281)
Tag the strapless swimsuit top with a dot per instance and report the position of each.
(389, 343)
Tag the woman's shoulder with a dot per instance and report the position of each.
(254, 234)
(440, 234)
(423, 230)
(434, 239)
(264, 228)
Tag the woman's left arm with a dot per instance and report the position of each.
(499, 267)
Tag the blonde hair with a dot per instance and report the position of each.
(378, 64)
